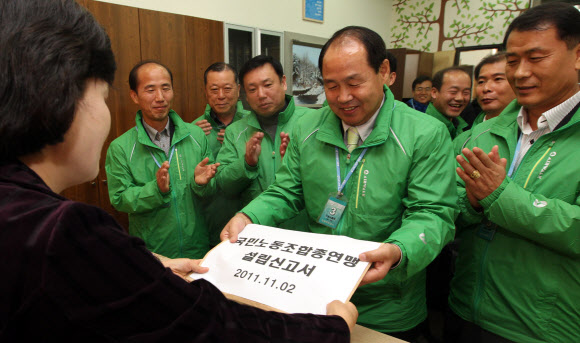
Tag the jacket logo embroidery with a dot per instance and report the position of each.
(422, 237)
(540, 204)
(552, 154)
(364, 188)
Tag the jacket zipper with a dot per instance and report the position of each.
(480, 283)
(175, 209)
(477, 297)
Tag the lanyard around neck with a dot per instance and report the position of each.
(151, 153)
(516, 153)
(157, 162)
(340, 185)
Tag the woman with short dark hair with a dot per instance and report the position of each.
(69, 271)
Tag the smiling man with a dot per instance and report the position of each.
(222, 90)
(150, 169)
(421, 93)
(493, 93)
(255, 145)
(368, 167)
(492, 89)
(518, 264)
(451, 93)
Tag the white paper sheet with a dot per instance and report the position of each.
(296, 272)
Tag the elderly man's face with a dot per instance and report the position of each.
(492, 89)
(222, 92)
(422, 92)
(541, 69)
(454, 95)
(265, 91)
(154, 93)
(354, 90)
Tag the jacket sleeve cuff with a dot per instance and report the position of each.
(401, 247)
(165, 196)
(250, 215)
(490, 199)
(251, 171)
(468, 213)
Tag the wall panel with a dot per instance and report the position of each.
(163, 37)
(186, 44)
(205, 45)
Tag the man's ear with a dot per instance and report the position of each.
(577, 64)
(434, 93)
(134, 97)
(283, 81)
(385, 70)
(392, 78)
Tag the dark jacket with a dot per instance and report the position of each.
(71, 274)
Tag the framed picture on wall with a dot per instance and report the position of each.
(307, 86)
(313, 10)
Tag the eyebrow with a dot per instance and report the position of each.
(348, 78)
(492, 75)
(527, 52)
(261, 81)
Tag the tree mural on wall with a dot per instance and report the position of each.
(464, 22)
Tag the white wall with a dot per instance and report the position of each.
(279, 15)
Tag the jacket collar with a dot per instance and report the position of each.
(506, 122)
(450, 124)
(283, 117)
(240, 112)
(330, 130)
(180, 132)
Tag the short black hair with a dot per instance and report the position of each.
(438, 77)
(420, 79)
(49, 49)
(564, 17)
(373, 43)
(135, 71)
(392, 61)
(219, 67)
(489, 59)
(257, 62)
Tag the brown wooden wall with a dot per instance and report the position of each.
(187, 45)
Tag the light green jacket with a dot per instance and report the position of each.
(455, 126)
(220, 207)
(402, 192)
(524, 283)
(235, 176)
(458, 142)
(214, 144)
(171, 224)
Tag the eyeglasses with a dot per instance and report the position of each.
(421, 89)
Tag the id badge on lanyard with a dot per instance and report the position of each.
(336, 203)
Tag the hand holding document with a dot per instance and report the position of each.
(291, 271)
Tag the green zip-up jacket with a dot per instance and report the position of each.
(402, 192)
(235, 176)
(460, 140)
(220, 207)
(524, 283)
(171, 224)
(455, 126)
(214, 144)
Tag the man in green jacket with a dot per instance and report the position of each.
(395, 179)
(518, 268)
(451, 93)
(150, 169)
(492, 91)
(222, 90)
(255, 145)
